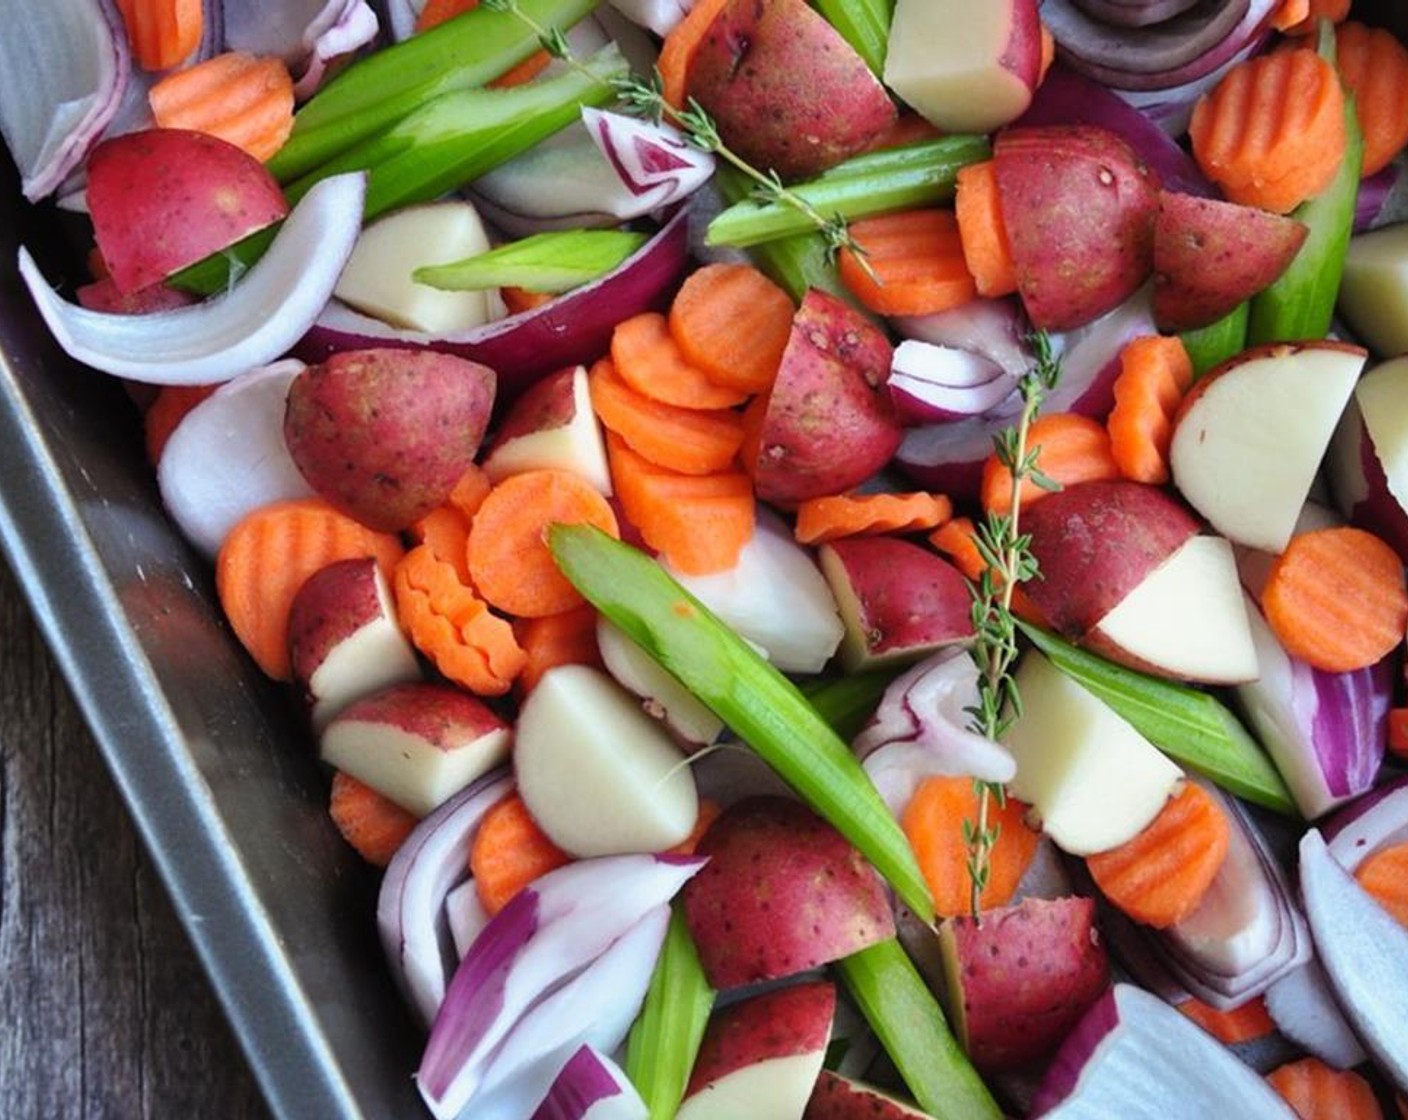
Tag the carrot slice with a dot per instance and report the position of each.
(1336, 598)
(982, 232)
(371, 822)
(699, 522)
(565, 638)
(650, 361)
(169, 408)
(521, 299)
(1312, 12)
(848, 515)
(1070, 449)
(1289, 13)
(689, 440)
(955, 539)
(437, 12)
(933, 822)
(235, 96)
(163, 33)
(509, 851)
(914, 260)
(679, 48)
(733, 323)
(1243, 1023)
(1155, 373)
(453, 627)
(1317, 1091)
(1385, 876)
(445, 532)
(1272, 132)
(1159, 876)
(1374, 67)
(470, 491)
(509, 561)
(266, 557)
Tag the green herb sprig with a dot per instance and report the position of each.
(1006, 550)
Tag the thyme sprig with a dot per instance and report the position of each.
(644, 97)
(1006, 551)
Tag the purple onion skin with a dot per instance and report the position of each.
(1063, 1074)
(583, 1082)
(1350, 729)
(1373, 193)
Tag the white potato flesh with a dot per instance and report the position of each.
(1094, 781)
(371, 657)
(1187, 618)
(664, 696)
(576, 446)
(1247, 450)
(1374, 289)
(377, 279)
(599, 775)
(1380, 395)
(774, 1089)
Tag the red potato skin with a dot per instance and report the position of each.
(164, 198)
(778, 1024)
(1079, 207)
(1210, 255)
(544, 405)
(782, 892)
(1022, 978)
(1095, 542)
(384, 435)
(333, 603)
(828, 423)
(743, 73)
(839, 1098)
(442, 715)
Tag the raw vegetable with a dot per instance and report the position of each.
(907, 263)
(235, 96)
(162, 32)
(1319, 1092)
(545, 262)
(865, 25)
(1069, 449)
(680, 47)
(1373, 65)
(1383, 874)
(1155, 372)
(845, 515)
(978, 208)
(372, 823)
(565, 638)
(1212, 345)
(1245, 1022)
(508, 852)
(649, 360)
(732, 322)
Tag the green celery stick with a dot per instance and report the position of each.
(865, 24)
(898, 179)
(381, 88)
(545, 262)
(847, 702)
(907, 1019)
(760, 705)
(1211, 345)
(1193, 727)
(665, 1037)
(1300, 303)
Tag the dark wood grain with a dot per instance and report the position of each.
(104, 1010)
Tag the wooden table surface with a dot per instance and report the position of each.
(104, 1011)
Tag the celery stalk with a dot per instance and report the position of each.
(1193, 727)
(865, 24)
(545, 262)
(1211, 345)
(760, 705)
(897, 179)
(1300, 303)
(846, 703)
(907, 1019)
(380, 89)
(665, 1037)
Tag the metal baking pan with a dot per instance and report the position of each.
(211, 758)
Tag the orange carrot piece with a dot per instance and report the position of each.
(1398, 732)
(509, 561)
(266, 557)
(954, 538)
(679, 47)
(709, 811)
(914, 260)
(1160, 876)
(235, 96)
(1336, 598)
(1048, 53)
(933, 822)
(169, 408)
(1240, 1024)
(371, 822)
(163, 33)
(1155, 373)
(699, 522)
(688, 440)
(732, 322)
(1272, 132)
(650, 361)
(437, 12)
(1385, 876)
(1290, 13)
(445, 533)
(848, 515)
(517, 300)
(470, 491)
(565, 638)
(982, 232)
(1374, 67)
(1317, 1091)
(1313, 12)
(453, 626)
(509, 850)
(1070, 449)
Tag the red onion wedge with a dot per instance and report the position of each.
(546, 935)
(659, 16)
(591, 1087)
(654, 161)
(1369, 823)
(1364, 951)
(306, 34)
(995, 329)
(1133, 13)
(252, 324)
(571, 330)
(63, 69)
(931, 383)
(1303, 1007)
(1134, 1057)
(410, 912)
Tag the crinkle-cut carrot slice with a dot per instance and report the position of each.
(1155, 373)
(245, 100)
(846, 515)
(1384, 874)
(1070, 449)
(565, 638)
(910, 263)
(1374, 67)
(1318, 1091)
